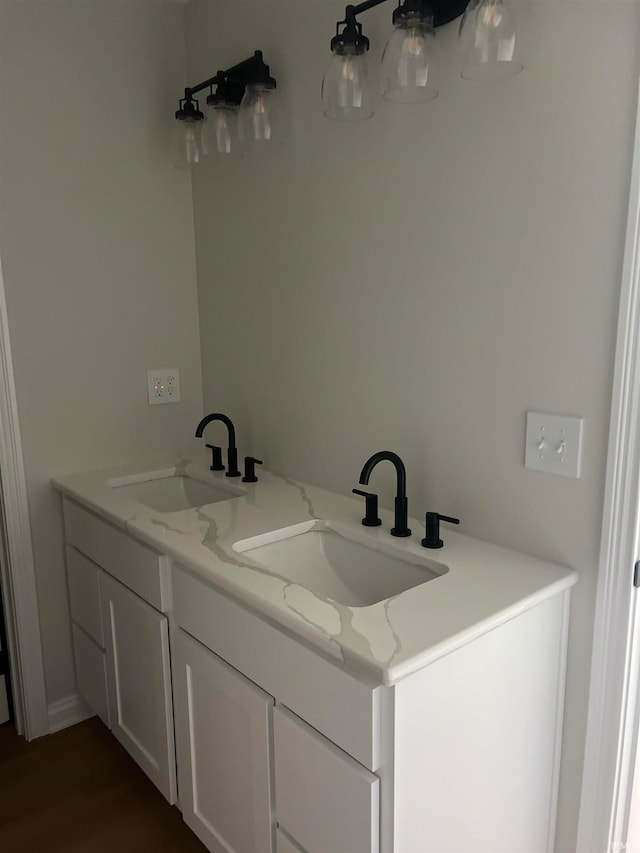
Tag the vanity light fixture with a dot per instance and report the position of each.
(241, 110)
(487, 38)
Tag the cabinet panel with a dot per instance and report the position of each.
(483, 722)
(84, 594)
(91, 677)
(223, 724)
(139, 682)
(327, 801)
(144, 571)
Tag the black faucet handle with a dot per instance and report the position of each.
(250, 463)
(432, 529)
(216, 458)
(370, 507)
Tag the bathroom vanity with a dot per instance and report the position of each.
(296, 682)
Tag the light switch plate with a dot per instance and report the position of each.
(163, 385)
(553, 444)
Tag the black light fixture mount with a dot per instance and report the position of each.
(439, 11)
(189, 109)
(245, 87)
(351, 40)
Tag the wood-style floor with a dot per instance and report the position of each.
(78, 791)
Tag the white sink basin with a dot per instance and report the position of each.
(172, 492)
(339, 564)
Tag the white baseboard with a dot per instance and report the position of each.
(67, 712)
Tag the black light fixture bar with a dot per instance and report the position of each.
(253, 64)
(362, 7)
(251, 70)
(443, 11)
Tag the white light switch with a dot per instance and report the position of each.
(553, 444)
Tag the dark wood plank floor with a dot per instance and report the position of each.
(79, 791)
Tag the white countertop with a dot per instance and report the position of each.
(485, 585)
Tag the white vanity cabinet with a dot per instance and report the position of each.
(287, 776)
(118, 590)
(230, 739)
(429, 723)
(462, 754)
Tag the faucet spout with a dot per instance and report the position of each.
(232, 452)
(392, 457)
(217, 416)
(401, 504)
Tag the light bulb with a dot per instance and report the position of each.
(220, 133)
(407, 62)
(346, 93)
(187, 143)
(488, 40)
(259, 115)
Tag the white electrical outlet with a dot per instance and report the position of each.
(553, 444)
(163, 385)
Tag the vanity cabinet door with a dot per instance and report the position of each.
(223, 724)
(139, 682)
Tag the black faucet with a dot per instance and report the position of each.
(401, 505)
(250, 463)
(432, 529)
(371, 508)
(232, 452)
(216, 457)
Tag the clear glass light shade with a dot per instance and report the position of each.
(259, 116)
(346, 93)
(407, 63)
(488, 41)
(187, 145)
(220, 132)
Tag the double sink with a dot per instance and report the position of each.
(332, 560)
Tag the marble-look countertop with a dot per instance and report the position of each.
(485, 585)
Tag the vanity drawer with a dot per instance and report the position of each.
(91, 676)
(342, 707)
(142, 570)
(84, 594)
(324, 799)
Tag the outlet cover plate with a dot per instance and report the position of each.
(554, 444)
(163, 385)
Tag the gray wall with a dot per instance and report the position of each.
(419, 281)
(96, 235)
